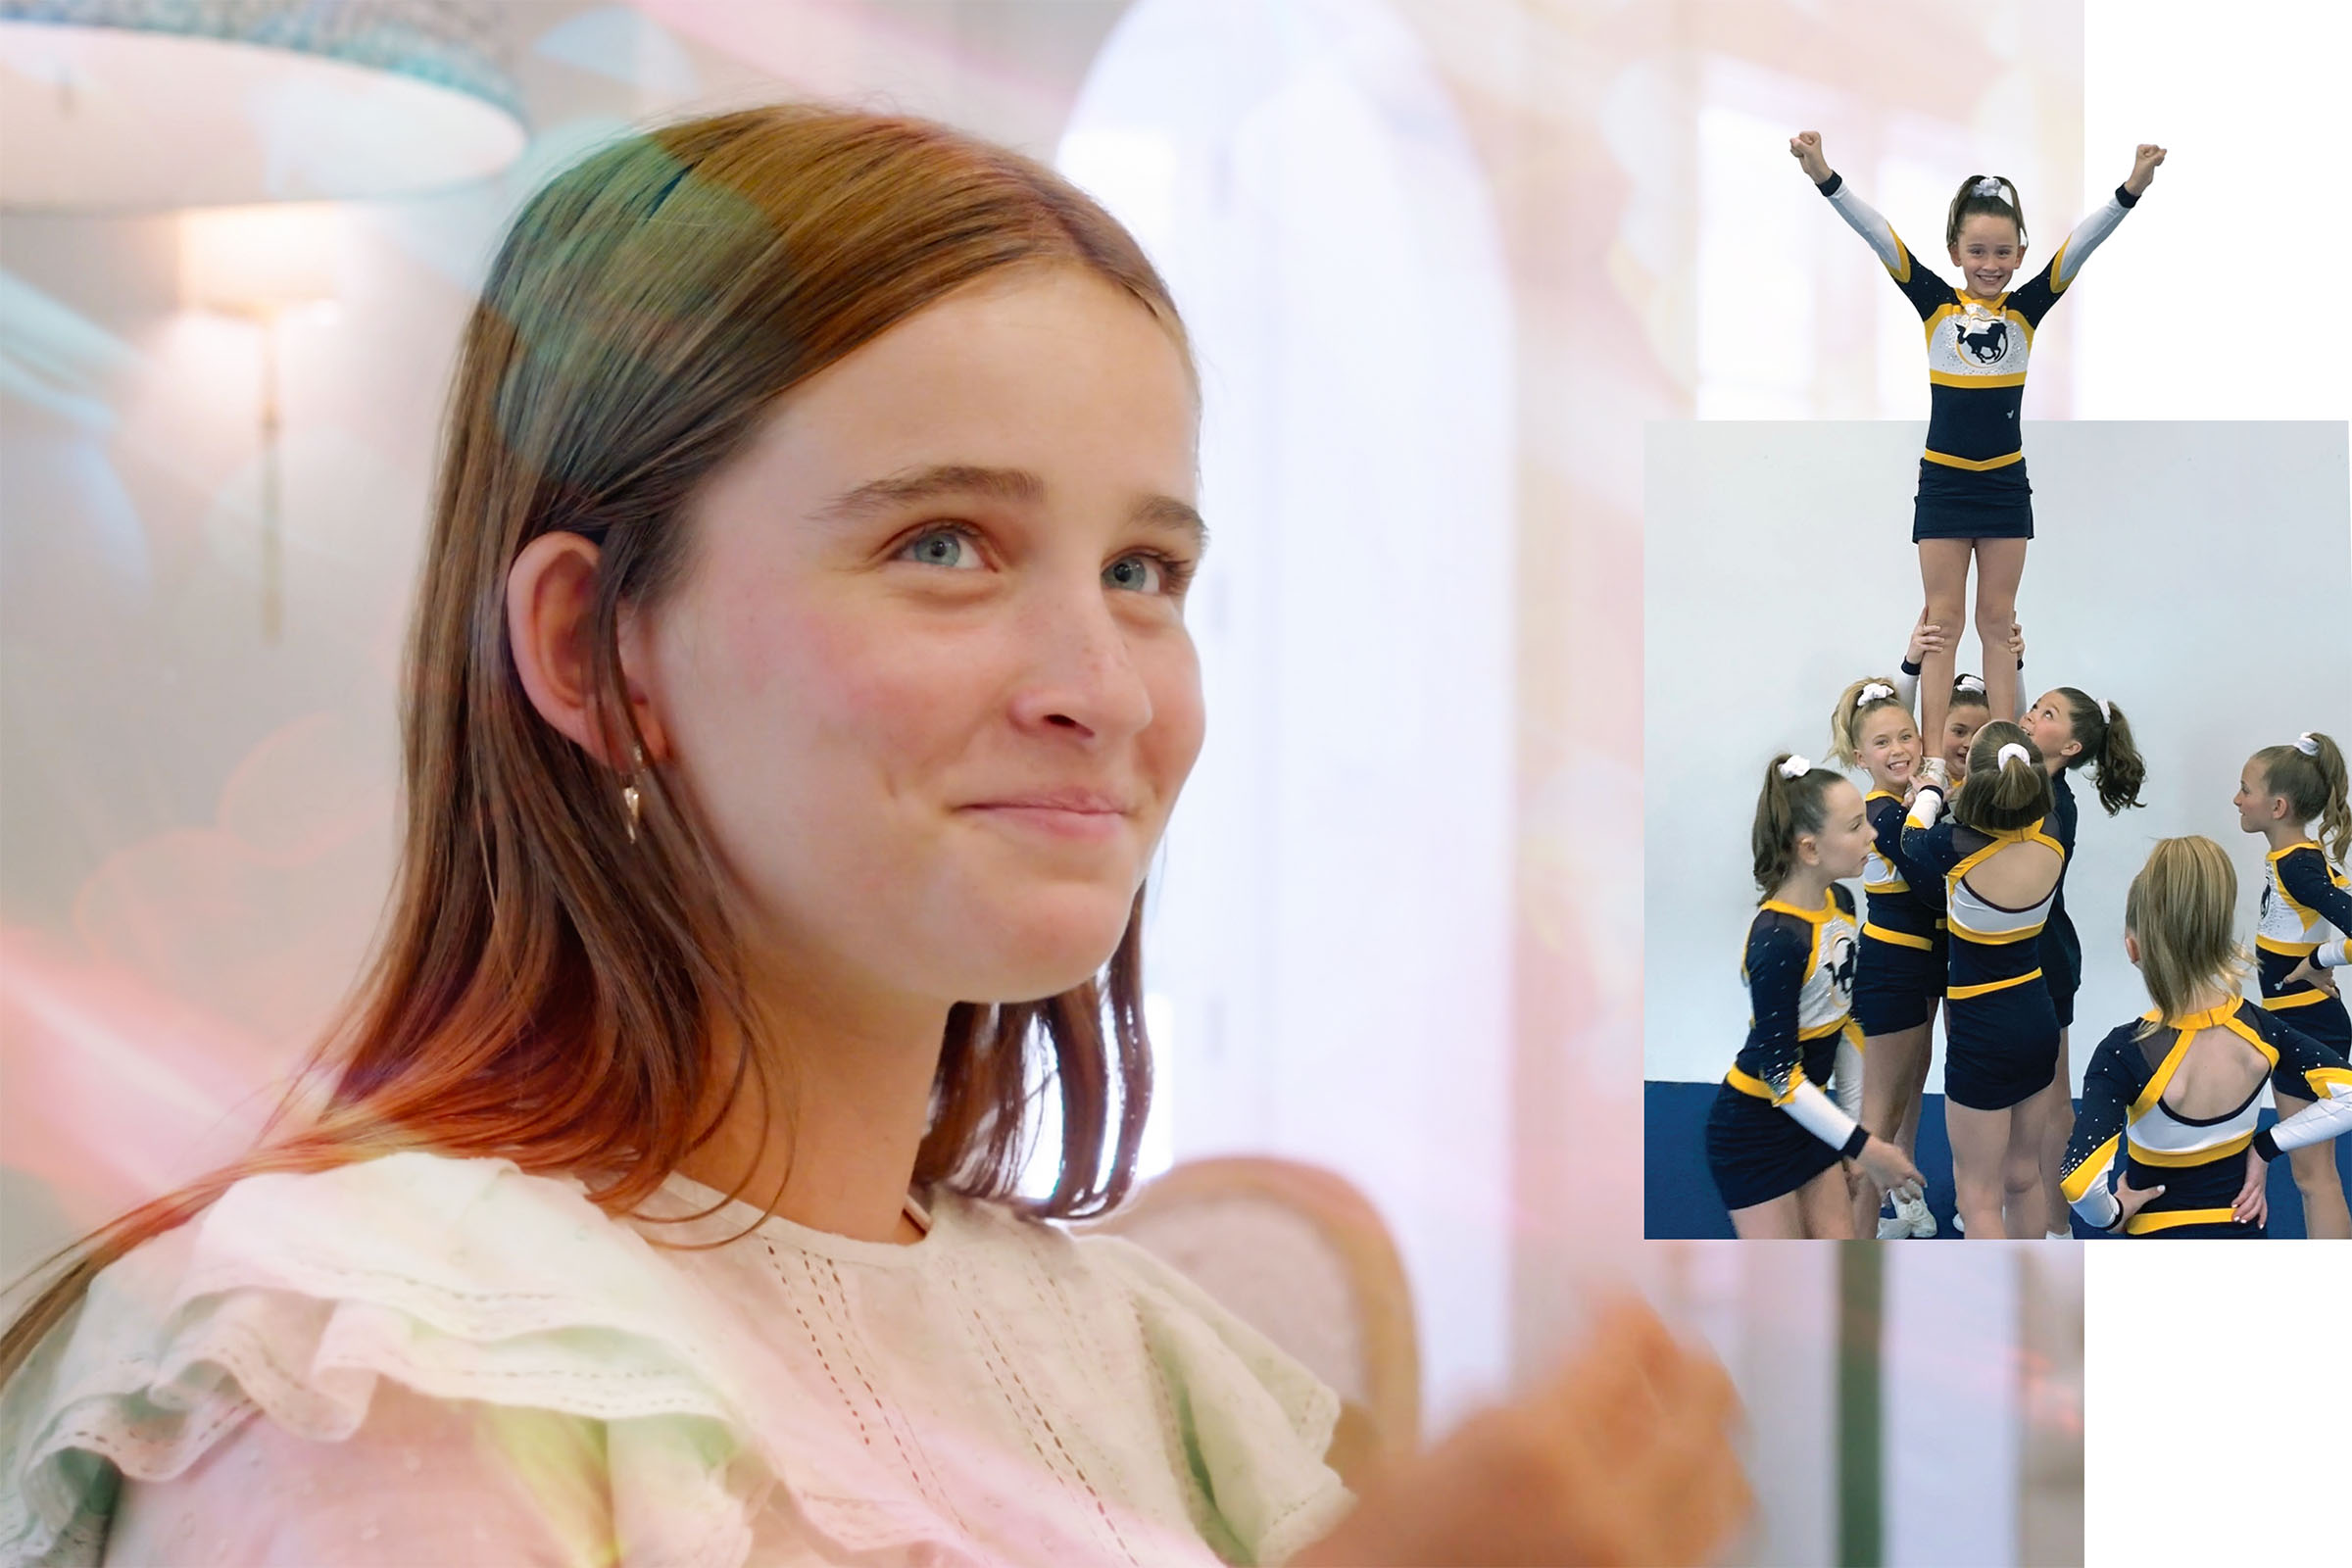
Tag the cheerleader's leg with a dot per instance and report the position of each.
(1943, 580)
(2000, 567)
(2325, 1216)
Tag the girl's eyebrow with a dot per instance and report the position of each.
(1019, 486)
(931, 483)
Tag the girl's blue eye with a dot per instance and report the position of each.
(942, 547)
(1137, 574)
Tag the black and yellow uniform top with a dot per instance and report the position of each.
(1905, 903)
(1977, 348)
(1993, 947)
(2306, 913)
(2196, 1161)
(1799, 970)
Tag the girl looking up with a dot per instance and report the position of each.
(2071, 730)
(2170, 1101)
(1774, 1137)
(797, 691)
(1973, 500)
(2306, 916)
(2000, 871)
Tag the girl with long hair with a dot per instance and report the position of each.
(2172, 1101)
(1973, 504)
(2072, 731)
(797, 692)
(1775, 1139)
(2000, 872)
(2296, 796)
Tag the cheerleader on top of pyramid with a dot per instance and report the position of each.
(1973, 501)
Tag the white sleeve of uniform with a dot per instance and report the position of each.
(1864, 220)
(1818, 1115)
(2314, 1123)
(2084, 240)
(1847, 1076)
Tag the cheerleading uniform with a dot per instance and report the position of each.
(2306, 913)
(1971, 477)
(2000, 1027)
(1772, 1129)
(2061, 948)
(2197, 1160)
(1900, 967)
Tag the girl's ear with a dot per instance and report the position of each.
(2131, 948)
(1808, 850)
(551, 618)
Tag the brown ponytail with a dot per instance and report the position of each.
(2313, 786)
(2000, 796)
(2107, 740)
(2182, 910)
(1787, 810)
(1968, 203)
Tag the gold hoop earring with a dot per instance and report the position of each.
(632, 800)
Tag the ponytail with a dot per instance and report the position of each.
(1988, 195)
(1845, 719)
(2107, 740)
(2182, 910)
(2314, 784)
(1786, 810)
(2006, 786)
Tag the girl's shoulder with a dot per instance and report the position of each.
(293, 1295)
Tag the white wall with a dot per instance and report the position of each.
(1330, 931)
(2199, 575)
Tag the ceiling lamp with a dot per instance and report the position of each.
(141, 105)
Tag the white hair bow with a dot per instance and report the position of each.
(2308, 743)
(1795, 768)
(1989, 186)
(1876, 690)
(1973, 683)
(2012, 749)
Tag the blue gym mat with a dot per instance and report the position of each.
(1678, 1201)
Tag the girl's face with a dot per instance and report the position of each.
(1842, 846)
(1889, 743)
(2257, 807)
(1987, 253)
(1961, 721)
(927, 679)
(2051, 724)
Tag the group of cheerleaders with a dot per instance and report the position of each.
(1962, 843)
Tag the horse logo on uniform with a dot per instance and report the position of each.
(1842, 958)
(1985, 346)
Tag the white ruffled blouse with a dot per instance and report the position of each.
(420, 1359)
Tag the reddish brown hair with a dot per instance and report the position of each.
(546, 988)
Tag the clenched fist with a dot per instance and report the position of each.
(1623, 1457)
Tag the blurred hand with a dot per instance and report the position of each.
(2144, 163)
(2252, 1205)
(1887, 1164)
(1927, 637)
(2131, 1199)
(2313, 974)
(1805, 148)
(1623, 1457)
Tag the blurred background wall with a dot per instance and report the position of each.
(1447, 259)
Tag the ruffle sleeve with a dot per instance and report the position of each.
(1254, 1423)
(293, 1296)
